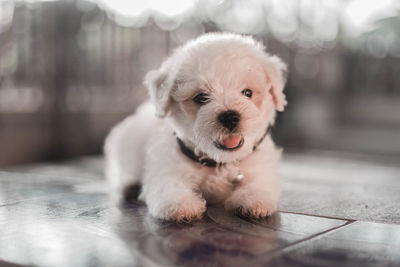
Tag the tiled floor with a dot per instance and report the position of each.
(335, 211)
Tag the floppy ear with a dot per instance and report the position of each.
(159, 83)
(276, 72)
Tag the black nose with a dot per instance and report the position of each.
(229, 119)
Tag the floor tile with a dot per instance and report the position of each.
(357, 244)
(16, 187)
(219, 239)
(49, 231)
(8, 264)
(340, 187)
(90, 167)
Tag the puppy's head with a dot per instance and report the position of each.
(219, 92)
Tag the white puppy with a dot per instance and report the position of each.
(205, 137)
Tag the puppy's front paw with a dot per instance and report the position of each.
(181, 209)
(251, 203)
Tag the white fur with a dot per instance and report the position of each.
(143, 148)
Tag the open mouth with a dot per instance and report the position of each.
(230, 143)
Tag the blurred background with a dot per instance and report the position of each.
(71, 69)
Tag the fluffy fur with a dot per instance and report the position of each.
(143, 148)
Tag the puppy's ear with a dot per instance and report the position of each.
(159, 84)
(276, 75)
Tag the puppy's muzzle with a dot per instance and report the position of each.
(229, 119)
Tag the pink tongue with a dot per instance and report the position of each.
(231, 141)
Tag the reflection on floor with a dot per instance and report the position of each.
(335, 211)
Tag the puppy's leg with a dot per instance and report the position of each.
(174, 201)
(172, 198)
(259, 192)
(170, 186)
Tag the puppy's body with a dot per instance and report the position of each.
(143, 149)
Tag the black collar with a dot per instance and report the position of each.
(203, 160)
(206, 161)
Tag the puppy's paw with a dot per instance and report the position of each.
(181, 209)
(250, 203)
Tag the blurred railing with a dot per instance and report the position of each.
(71, 69)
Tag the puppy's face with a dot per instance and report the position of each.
(222, 103)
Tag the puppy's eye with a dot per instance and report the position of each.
(201, 99)
(247, 92)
